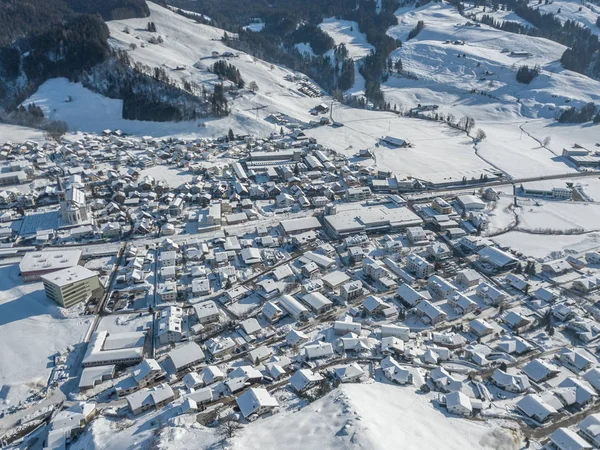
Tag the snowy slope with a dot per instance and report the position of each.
(569, 10)
(347, 32)
(482, 65)
(372, 416)
(188, 45)
(455, 84)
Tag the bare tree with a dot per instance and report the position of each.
(546, 141)
(480, 134)
(55, 129)
(253, 86)
(228, 428)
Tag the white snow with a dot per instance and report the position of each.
(32, 330)
(439, 152)
(304, 48)
(375, 416)
(347, 32)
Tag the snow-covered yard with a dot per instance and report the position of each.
(32, 330)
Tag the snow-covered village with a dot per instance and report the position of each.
(262, 257)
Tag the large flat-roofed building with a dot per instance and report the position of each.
(300, 225)
(35, 264)
(70, 286)
(7, 178)
(282, 155)
(358, 218)
(115, 349)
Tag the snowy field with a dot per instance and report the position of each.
(32, 330)
(172, 175)
(438, 153)
(15, 133)
(548, 246)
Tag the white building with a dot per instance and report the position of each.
(73, 206)
(418, 266)
(70, 286)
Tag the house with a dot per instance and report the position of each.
(593, 377)
(304, 379)
(295, 338)
(397, 331)
(341, 327)
(575, 358)
(169, 327)
(418, 266)
(317, 302)
(490, 294)
(185, 356)
(374, 305)
(430, 313)
(459, 404)
(147, 398)
(350, 373)
(256, 401)
(250, 326)
(351, 290)
(556, 268)
(462, 304)
(200, 396)
(440, 288)
(438, 251)
(514, 345)
(480, 327)
(319, 350)
(566, 439)
(416, 235)
(590, 429)
(206, 312)
(260, 354)
(470, 202)
(510, 382)
(68, 423)
(219, 347)
(587, 284)
(293, 307)
(394, 372)
(392, 345)
(534, 407)
(574, 392)
(539, 370)
(408, 295)
(515, 320)
(468, 278)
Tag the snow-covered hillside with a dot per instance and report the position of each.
(450, 58)
(347, 32)
(186, 53)
(569, 10)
